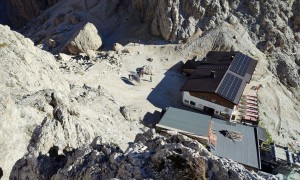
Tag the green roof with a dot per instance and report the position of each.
(244, 151)
(187, 121)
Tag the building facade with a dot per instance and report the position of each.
(217, 84)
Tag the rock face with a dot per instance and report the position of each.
(18, 13)
(151, 155)
(25, 70)
(273, 25)
(59, 118)
(64, 21)
(149, 70)
(173, 20)
(86, 39)
(42, 113)
(266, 21)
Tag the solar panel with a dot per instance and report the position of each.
(240, 64)
(230, 86)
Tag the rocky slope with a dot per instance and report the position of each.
(52, 109)
(55, 139)
(64, 20)
(41, 109)
(18, 13)
(151, 155)
(273, 26)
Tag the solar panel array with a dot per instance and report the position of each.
(230, 86)
(240, 64)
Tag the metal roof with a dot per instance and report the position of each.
(244, 151)
(185, 120)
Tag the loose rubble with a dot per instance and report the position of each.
(152, 155)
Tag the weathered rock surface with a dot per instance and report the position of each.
(18, 13)
(266, 21)
(149, 70)
(86, 39)
(64, 21)
(117, 47)
(40, 110)
(151, 155)
(24, 70)
(273, 26)
(40, 107)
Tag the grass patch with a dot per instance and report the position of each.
(269, 138)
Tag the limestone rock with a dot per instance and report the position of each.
(52, 43)
(151, 156)
(75, 19)
(41, 113)
(117, 47)
(126, 51)
(91, 54)
(286, 70)
(59, 19)
(21, 12)
(63, 57)
(25, 70)
(125, 112)
(296, 6)
(297, 37)
(149, 69)
(86, 39)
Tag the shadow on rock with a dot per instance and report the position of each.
(44, 166)
(151, 119)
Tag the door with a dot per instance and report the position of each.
(209, 111)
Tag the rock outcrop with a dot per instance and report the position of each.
(86, 39)
(53, 120)
(273, 25)
(268, 23)
(24, 70)
(18, 13)
(40, 110)
(65, 20)
(151, 156)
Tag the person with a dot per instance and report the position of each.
(150, 78)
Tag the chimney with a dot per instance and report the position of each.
(213, 74)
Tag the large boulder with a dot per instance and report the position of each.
(85, 39)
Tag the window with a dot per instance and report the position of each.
(213, 100)
(192, 103)
(233, 117)
(186, 101)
